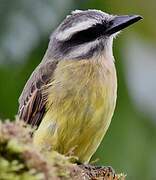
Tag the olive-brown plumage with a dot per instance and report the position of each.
(32, 101)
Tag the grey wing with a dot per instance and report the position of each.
(32, 102)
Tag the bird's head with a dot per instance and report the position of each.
(84, 34)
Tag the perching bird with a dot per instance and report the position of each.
(71, 95)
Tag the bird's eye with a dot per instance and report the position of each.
(87, 35)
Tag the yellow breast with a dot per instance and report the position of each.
(80, 106)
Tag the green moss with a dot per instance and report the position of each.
(20, 160)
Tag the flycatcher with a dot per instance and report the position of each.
(71, 95)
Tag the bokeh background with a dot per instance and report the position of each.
(25, 27)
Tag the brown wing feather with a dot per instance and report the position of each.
(32, 102)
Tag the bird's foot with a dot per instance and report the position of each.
(73, 159)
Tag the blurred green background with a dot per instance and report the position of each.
(130, 143)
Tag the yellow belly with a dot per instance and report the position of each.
(80, 106)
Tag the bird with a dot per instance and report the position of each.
(71, 96)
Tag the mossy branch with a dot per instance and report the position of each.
(19, 159)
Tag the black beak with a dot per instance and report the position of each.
(121, 22)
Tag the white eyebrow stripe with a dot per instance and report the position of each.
(80, 26)
(82, 50)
